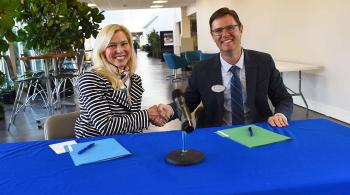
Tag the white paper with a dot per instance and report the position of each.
(59, 147)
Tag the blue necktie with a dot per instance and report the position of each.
(236, 98)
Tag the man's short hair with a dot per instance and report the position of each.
(223, 12)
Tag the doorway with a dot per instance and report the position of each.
(193, 27)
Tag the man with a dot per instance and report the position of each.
(235, 85)
(136, 46)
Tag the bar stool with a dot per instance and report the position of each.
(33, 85)
(64, 75)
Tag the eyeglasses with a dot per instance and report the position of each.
(230, 29)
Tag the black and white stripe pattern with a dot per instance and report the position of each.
(105, 111)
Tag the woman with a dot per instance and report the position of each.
(111, 92)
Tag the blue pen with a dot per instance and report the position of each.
(251, 132)
(86, 148)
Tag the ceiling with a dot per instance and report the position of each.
(135, 4)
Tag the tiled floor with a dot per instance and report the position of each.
(157, 90)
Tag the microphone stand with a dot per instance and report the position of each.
(183, 133)
(183, 157)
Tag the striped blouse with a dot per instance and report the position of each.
(105, 111)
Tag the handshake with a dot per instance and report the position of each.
(160, 114)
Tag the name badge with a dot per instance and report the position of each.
(218, 88)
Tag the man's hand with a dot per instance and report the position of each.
(155, 117)
(278, 120)
(166, 111)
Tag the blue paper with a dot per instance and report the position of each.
(105, 149)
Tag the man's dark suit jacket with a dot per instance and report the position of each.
(263, 81)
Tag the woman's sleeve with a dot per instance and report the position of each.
(93, 95)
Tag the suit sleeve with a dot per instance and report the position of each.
(277, 92)
(108, 122)
(192, 95)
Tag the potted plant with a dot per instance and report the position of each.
(2, 81)
(7, 91)
(57, 25)
(8, 12)
(8, 94)
(154, 41)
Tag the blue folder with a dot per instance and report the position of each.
(105, 149)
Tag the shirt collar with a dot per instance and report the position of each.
(226, 66)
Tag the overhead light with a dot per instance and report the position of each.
(160, 1)
(91, 5)
(156, 6)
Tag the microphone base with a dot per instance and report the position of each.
(184, 158)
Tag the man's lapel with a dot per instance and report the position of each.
(216, 79)
(251, 76)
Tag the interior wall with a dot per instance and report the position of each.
(311, 32)
(204, 9)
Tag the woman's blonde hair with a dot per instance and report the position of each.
(100, 64)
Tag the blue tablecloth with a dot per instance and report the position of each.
(315, 161)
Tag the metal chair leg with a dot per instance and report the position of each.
(176, 78)
(18, 105)
(15, 105)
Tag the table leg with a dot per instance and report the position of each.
(48, 87)
(302, 96)
(293, 93)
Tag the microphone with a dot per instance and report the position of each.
(184, 156)
(183, 112)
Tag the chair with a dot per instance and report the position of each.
(68, 74)
(193, 57)
(34, 88)
(204, 56)
(183, 55)
(85, 63)
(60, 126)
(174, 62)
